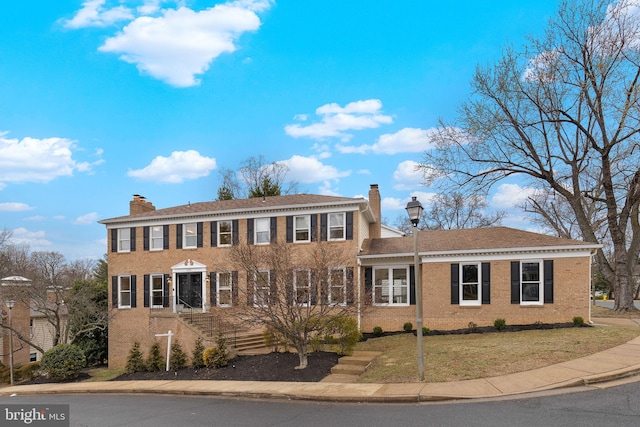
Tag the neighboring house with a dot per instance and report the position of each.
(167, 261)
(20, 315)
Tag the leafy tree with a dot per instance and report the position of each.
(564, 113)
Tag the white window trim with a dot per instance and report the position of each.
(391, 287)
(255, 288)
(120, 291)
(540, 263)
(344, 286)
(156, 238)
(121, 240)
(220, 287)
(296, 274)
(256, 231)
(295, 229)
(185, 228)
(151, 290)
(344, 226)
(230, 233)
(478, 301)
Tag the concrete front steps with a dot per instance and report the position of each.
(349, 368)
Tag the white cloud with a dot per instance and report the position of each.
(337, 121)
(59, 217)
(326, 189)
(95, 14)
(407, 176)
(510, 196)
(35, 218)
(35, 239)
(38, 160)
(310, 169)
(14, 207)
(180, 166)
(392, 203)
(87, 219)
(181, 43)
(407, 140)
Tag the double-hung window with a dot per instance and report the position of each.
(190, 237)
(262, 231)
(157, 238)
(157, 290)
(124, 240)
(336, 226)
(224, 289)
(338, 286)
(531, 286)
(261, 288)
(302, 228)
(124, 291)
(391, 286)
(225, 233)
(470, 284)
(302, 286)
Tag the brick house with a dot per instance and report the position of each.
(164, 263)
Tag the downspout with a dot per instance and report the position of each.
(592, 293)
(359, 264)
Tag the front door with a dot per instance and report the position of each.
(190, 290)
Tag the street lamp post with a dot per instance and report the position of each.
(414, 209)
(10, 303)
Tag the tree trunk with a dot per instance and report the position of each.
(302, 355)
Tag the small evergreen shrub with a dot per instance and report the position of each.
(499, 324)
(155, 361)
(63, 362)
(425, 331)
(178, 358)
(198, 349)
(218, 356)
(135, 362)
(408, 327)
(377, 331)
(578, 321)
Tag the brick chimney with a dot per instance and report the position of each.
(140, 205)
(375, 230)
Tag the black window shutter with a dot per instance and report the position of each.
(350, 286)
(273, 229)
(199, 239)
(548, 281)
(165, 291)
(313, 288)
(412, 285)
(234, 232)
(289, 229)
(133, 239)
(146, 290)
(349, 231)
(515, 282)
(178, 236)
(288, 284)
(314, 228)
(455, 283)
(234, 287)
(214, 233)
(145, 238)
(250, 231)
(273, 287)
(368, 285)
(114, 291)
(134, 295)
(251, 288)
(486, 283)
(165, 237)
(114, 240)
(212, 289)
(323, 227)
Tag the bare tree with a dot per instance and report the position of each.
(255, 178)
(294, 293)
(565, 113)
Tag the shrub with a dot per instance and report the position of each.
(472, 327)
(218, 356)
(63, 362)
(178, 358)
(135, 363)
(425, 330)
(345, 334)
(377, 331)
(272, 339)
(198, 349)
(27, 372)
(155, 361)
(499, 324)
(316, 343)
(408, 327)
(578, 321)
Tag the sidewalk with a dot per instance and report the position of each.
(607, 365)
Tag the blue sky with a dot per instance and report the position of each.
(101, 99)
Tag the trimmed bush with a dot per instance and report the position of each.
(578, 321)
(377, 331)
(198, 349)
(178, 357)
(155, 361)
(425, 331)
(135, 363)
(499, 324)
(218, 356)
(63, 362)
(408, 327)
(344, 332)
